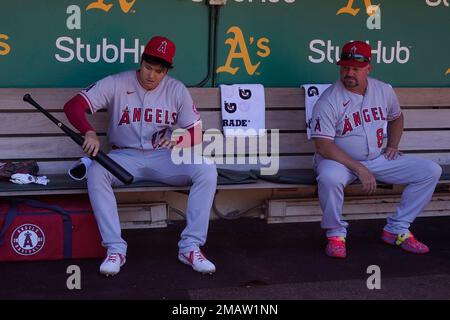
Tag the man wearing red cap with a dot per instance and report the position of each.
(144, 107)
(348, 130)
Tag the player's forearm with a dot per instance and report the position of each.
(329, 150)
(394, 132)
(75, 110)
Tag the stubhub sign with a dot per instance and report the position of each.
(326, 51)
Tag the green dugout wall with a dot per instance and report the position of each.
(279, 43)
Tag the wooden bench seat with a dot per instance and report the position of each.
(27, 134)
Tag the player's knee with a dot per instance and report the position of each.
(434, 170)
(428, 171)
(207, 173)
(96, 172)
(329, 179)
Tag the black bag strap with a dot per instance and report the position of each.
(67, 221)
(9, 218)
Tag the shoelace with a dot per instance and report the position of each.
(112, 257)
(199, 256)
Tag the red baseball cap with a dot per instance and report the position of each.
(162, 48)
(355, 54)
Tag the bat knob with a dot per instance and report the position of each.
(27, 97)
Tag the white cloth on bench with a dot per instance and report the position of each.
(243, 109)
(25, 178)
(312, 94)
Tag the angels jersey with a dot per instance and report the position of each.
(355, 122)
(139, 118)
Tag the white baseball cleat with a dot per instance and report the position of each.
(112, 263)
(197, 261)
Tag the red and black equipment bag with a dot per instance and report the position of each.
(32, 230)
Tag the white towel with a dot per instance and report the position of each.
(243, 109)
(312, 94)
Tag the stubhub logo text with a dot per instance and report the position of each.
(322, 51)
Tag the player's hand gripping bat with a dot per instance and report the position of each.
(108, 163)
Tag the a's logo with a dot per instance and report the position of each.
(245, 94)
(4, 47)
(373, 11)
(350, 10)
(345, 103)
(238, 42)
(125, 5)
(313, 91)
(353, 50)
(230, 107)
(27, 239)
(162, 47)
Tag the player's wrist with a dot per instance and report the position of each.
(392, 147)
(359, 169)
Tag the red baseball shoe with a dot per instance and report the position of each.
(406, 241)
(336, 247)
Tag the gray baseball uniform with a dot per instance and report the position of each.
(138, 119)
(355, 123)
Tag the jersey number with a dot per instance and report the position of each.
(380, 137)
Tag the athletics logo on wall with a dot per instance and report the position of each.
(125, 5)
(4, 47)
(27, 239)
(373, 11)
(239, 50)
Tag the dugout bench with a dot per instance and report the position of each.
(290, 195)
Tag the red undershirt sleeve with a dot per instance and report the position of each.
(75, 110)
(194, 138)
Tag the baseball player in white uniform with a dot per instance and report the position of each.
(347, 129)
(144, 107)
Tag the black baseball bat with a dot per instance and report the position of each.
(108, 163)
